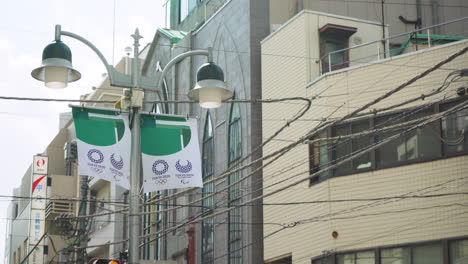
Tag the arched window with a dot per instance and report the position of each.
(207, 165)
(163, 96)
(235, 216)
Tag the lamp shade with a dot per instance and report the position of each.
(210, 89)
(56, 70)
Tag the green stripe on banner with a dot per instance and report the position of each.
(163, 139)
(98, 131)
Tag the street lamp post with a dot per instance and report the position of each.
(57, 70)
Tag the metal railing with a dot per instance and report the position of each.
(383, 47)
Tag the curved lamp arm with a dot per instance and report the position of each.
(116, 78)
(180, 57)
(59, 33)
(175, 60)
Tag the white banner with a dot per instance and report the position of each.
(170, 153)
(103, 141)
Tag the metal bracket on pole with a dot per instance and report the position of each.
(116, 78)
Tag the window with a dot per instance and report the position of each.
(365, 257)
(167, 8)
(186, 6)
(164, 107)
(183, 10)
(208, 189)
(348, 145)
(459, 252)
(235, 216)
(455, 131)
(426, 254)
(285, 260)
(146, 249)
(93, 202)
(324, 260)
(413, 145)
(320, 156)
(438, 139)
(334, 38)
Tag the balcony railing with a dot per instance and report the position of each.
(405, 42)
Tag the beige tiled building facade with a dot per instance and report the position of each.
(404, 202)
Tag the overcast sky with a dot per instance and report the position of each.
(26, 27)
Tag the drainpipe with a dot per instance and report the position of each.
(190, 63)
(300, 5)
(418, 10)
(417, 24)
(435, 14)
(383, 28)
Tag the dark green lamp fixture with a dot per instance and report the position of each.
(56, 70)
(210, 89)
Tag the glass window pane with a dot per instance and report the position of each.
(342, 149)
(421, 143)
(346, 259)
(367, 257)
(430, 254)
(324, 260)
(168, 13)
(336, 58)
(459, 252)
(192, 4)
(234, 194)
(454, 130)
(320, 156)
(364, 161)
(183, 9)
(395, 256)
(207, 241)
(395, 150)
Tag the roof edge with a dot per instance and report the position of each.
(319, 78)
(304, 11)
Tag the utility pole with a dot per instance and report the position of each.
(209, 91)
(83, 241)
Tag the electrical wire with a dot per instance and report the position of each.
(323, 170)
(317, 130)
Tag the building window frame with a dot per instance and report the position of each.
(435, 128)
(338, 36)
(234, 193)
(207, 226)
(444, 243)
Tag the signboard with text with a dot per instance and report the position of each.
(40, 164)
(38, 206)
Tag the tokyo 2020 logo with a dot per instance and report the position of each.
(160, 167)
(95, 156)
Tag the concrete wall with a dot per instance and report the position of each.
(19, 233)
(431, 12)
(234, 32)
(359, 225)
(291, 55)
